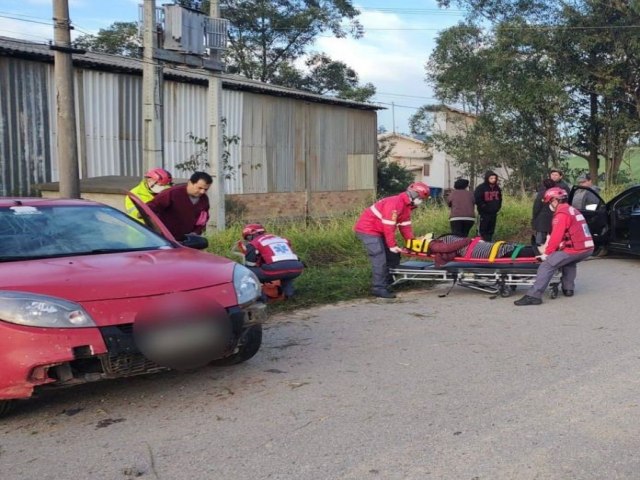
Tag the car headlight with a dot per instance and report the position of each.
(246, 284)
(33, 310)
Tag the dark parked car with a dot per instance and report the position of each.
(615, 225)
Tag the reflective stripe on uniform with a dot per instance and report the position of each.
(404, 224)
(284, 256)
(377, 213)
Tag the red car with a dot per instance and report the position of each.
(87, 293)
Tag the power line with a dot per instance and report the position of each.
(403, 95)
(399, 106)
(26, 42)
(26, 20)
(24, 15)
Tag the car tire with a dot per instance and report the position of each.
(5, 407)
(600, 252)
(251, 341)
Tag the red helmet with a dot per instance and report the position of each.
(252, 229)
(419, 189)
(554, 193)
(160, 176)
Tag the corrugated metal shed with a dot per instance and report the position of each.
(289, 140)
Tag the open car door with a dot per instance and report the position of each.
(595, 211)
(624, 220)
(150, 219)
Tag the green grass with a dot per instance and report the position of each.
(337, 267)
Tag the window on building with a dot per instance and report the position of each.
(425, 169)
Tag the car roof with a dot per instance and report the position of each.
(44, 202)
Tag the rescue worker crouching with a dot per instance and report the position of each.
(270, 257)
(154, 181)
(569, 243)
(376, 228)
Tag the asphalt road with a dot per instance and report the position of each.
(462, 387)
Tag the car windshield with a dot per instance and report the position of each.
(28, 232)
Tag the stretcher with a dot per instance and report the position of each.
(496, 276)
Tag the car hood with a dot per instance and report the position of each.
(118, 275)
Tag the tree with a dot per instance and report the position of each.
(121, 38)
(325, 76)
(393, 178)
(267, 38)
(591, 56)
(266, 34)
(506, 90)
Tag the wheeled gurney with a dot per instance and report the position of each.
(499, 276)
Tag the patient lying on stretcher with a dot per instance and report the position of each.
(448, 247)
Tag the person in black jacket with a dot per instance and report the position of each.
(542, 215)
(488, 198)
(557, 176)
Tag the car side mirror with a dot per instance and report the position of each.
(195, 241)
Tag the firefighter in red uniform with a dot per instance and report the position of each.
(376, 228)
(569, 243)
(270, 257)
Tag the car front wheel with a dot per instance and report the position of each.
(247, 347)
(5, 407)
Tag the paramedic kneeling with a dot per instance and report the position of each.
(569, 243)
(376, 228)
(270, 257)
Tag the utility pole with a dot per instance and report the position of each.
(66, 139)
(214, 112)
(152, 151)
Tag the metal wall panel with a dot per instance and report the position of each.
(130, 125)
(24, 126)
(253, 148)
(328, 148)
(282, 141)
(232, 114)
(109, 118)
(185, 113)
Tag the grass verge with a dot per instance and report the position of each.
(337, 267)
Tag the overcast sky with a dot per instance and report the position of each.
(399, 37)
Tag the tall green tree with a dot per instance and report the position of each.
(266, 34)
(268, 41)
(325, 76)
(590, 49)
(393, 178)
(509, 93)
(121, 38)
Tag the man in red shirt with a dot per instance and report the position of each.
(569, 243)
(376, 228)
(184, 208)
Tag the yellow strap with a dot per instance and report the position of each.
(494, 250)
(418, 245)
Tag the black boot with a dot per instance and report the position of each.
(527, 300)
(382, 293)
